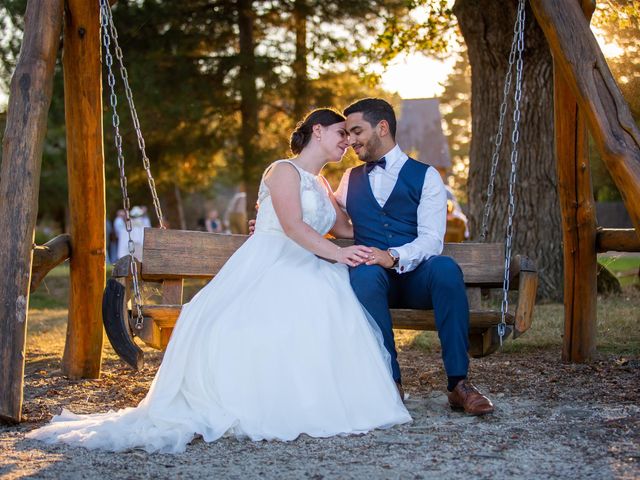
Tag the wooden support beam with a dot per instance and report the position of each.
(29, 100)
(617, 240)
(48, 256)
(578, 219)
(582, 65)
(85, 165)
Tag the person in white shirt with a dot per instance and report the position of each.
(120, 230)
(398, 207)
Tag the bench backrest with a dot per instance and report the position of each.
(178, 254)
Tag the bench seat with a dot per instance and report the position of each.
(171, 256)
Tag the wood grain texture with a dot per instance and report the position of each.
(166, 315)
(23, 141)
(172, 255)
(582, 65)
(85, 167)
(578, 219)
(617, 240)
(184, 254)
(48, 256)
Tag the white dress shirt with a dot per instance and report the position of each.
(432, 209)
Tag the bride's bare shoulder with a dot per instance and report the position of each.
(281, 171)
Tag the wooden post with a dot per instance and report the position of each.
(578, 219)
(85, 166)
(581, 63)
(29, 100)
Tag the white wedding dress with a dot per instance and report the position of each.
(276, 345)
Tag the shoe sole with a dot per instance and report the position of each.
(458, 408)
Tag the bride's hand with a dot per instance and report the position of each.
(354, 255)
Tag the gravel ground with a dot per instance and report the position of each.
(552, 420)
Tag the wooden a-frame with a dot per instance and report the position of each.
(586, 96)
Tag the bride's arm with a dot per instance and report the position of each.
(284, 185)
(343, 227)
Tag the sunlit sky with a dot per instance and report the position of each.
(412, 76)
(417, 76)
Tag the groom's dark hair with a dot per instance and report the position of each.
(373, 111)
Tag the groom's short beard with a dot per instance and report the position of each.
(372, 149)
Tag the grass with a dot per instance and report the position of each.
(618, 326)
(624, 267)
(53, 292)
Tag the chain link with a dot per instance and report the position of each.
(134, 116)
(106, 23)
(495, 157)
(515, 137)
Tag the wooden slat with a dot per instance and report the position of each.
(425, 320)
(184, 254)
(165, 316)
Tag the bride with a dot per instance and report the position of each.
(276, 345)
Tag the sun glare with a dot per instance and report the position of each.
(417, 76)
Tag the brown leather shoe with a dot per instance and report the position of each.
(468, 398)
(400, 390)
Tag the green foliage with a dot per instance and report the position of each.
(405, 33)
(183, 66)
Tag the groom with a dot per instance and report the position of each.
(398, 206)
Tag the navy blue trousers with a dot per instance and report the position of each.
(437, 285)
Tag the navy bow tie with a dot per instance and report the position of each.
(371, 165)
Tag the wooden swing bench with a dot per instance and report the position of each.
(171, 256)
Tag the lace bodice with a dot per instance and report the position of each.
(317, 210)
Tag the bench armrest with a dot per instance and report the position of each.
(121, 268)
(524, 278)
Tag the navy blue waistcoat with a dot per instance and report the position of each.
(397, 222)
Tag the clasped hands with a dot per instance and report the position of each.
(360, 255)
(354, 255)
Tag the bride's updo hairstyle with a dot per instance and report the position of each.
(302, 134)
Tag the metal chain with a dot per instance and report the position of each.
(126, 203)
(499, 136)
(515, 137)
(134, 115)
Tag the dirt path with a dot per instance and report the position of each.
(552, 420)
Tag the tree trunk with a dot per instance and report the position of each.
(487, 27)
(170, 207)
(178, 195)
(251, 161)
(300, 85)
(22, 145)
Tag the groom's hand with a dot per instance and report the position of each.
(380, 257)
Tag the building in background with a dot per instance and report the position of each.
(419, 133)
